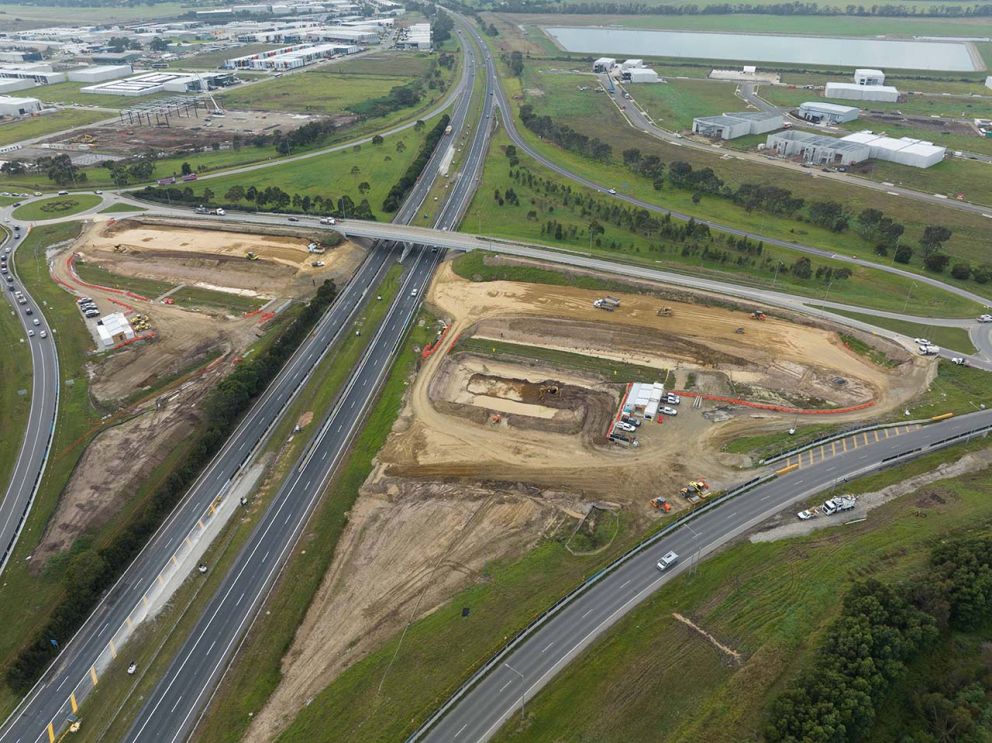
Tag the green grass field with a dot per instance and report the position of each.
(56, 207)
(767, 601)
(94, 274)
(923, 105)
(865, 287)
(194, 297)
(592, 113)
(954, 338)
(972, 179)
(329, 89)
(331, 175)
(121, 208)
(674, 105)
(45, 124)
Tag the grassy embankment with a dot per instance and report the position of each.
(117, 700)
(590, 113)
(674, 105)
(121, 208)
(865, 287)
(39, 126)
(15, 392)
(57, 206)
(953, 338)
(769, 601)
(332, 175)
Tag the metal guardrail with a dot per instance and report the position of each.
(837, 437)
(572, 595)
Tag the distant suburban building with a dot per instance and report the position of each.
(631, 64)
(817, 149)
(988, 82)
(640, 75)
(14, 84)
(869, 77)
(605, 64)
(827, 113)
(734, 125)
(417, 36)
(905, 150)
(114, 329)
(10, 106)
(285, 58)
(99, 73)
(158, 82)
(855, 148)
(38, 73)
(855, 92)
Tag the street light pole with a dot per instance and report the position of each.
(523, 689)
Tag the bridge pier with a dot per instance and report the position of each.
(407, 247)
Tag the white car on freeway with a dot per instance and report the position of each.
(985, 318)
(921, 342)
(669, 410)
(959, 360)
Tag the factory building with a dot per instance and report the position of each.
(417, 36)
(99, 73)
(10, 106)
(14, 84)
(869, 77)
(286, 58)
(640, 75)
(631, 64)
(38, 74)
(817, 149)
(734, 125)
(827, 113)
(855, 92)
(158, 82)
(906, 151)
(605, 64)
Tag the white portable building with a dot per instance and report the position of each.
(604, 64)
(827, 113)
(643, 75)
(632, 64)
(14, 84)
(869, 77)
(906, 151)
(11, 106)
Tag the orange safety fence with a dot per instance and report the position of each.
(126, 306)
(779, 408)
(129, 341)
(265, 317)
(430, 348)
(70, 264)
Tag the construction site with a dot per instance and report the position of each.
(508, 438)
(215, 302)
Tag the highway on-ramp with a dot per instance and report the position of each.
(36, 444)
(489, 699)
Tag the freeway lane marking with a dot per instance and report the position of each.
(731, 515)
(553, 642)
(625, 582)
(460, 729)
(586, 614)
(177, 703)
(505, 685)
(765, 497)
(236, 603)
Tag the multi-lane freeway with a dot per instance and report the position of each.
(488, 699)
(50, 702)
(33, 454)
(173, 707)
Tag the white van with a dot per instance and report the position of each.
(667, 560)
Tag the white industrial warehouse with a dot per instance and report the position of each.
(855, 148)
(99, 73)
(605, 64)
(10, 106)
(157, 82)
(734, 125)
(817, 112)
(288, 57)
(855, 92)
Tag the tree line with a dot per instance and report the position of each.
(402, 187)
(92, 569)
(780, 9)
(564, 135)
(868, 649)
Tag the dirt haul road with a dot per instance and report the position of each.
(452, 491)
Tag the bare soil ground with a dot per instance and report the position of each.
(183, 134)
(485, 460)
(190, 351)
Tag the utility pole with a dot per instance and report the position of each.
(523, 689)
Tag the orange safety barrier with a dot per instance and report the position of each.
(142, 337)
(779, 408)
(430, 348)
(265, 317)
(70, 263)
(128, 307)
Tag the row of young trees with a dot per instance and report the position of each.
(564, 136)
(867, 649)
(92, 570)
(402, 187)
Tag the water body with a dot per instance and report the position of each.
(949, 56)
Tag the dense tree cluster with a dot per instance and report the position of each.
(564, 136)
(92, 569)
(880, 630)
(60, 170)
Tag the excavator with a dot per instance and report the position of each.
(758, 315)
(661, 504)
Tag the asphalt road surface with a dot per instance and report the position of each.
(519, 674)
(173, 708)
(48, 702)
(33, 454)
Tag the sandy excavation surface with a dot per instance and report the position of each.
(190, 351)
(454, 487)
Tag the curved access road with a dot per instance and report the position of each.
(491, 697)
(33, 454)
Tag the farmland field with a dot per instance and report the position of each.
(40, 126)
(675, 104)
